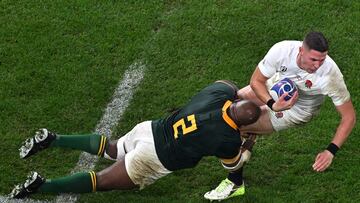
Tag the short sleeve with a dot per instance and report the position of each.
(335, 87)
(269, 63)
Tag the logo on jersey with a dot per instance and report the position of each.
(308, 84)
(283, 68)
(279, 114)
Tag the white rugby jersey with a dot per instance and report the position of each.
(280, 62)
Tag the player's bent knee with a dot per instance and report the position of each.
(111, 150)
(114, 177)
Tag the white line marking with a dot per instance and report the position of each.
(115, 109)
(113, 112)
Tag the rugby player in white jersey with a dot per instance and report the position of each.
(316, 76)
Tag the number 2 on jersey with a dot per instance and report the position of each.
(185, 129)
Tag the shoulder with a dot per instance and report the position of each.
(229, 83)
(333, 83)
(220, 89)
(330, 69)
(282, 50)
(287, 45)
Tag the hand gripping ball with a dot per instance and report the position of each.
(284, 85)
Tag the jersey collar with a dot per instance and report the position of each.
(226, 117)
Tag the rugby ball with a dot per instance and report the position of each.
(279, 88)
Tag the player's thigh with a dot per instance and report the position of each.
(249, 94)
(262, 126)
(143, 165)
(140, 133)
(114, 177)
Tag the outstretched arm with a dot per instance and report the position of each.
(348, 118)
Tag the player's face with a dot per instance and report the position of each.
(310, 60)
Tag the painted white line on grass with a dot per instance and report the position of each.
(113, 112)
(115, 109)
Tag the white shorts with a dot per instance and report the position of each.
(141, 161)
(286, 119)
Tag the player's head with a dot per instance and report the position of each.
(313, 52)
(244, 112)
(316, 41)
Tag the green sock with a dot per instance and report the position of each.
(93, 143)
(76, 183)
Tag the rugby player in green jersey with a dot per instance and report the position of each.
(208, 125)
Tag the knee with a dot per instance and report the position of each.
(114, 177)
(111, 149)
(103, 183)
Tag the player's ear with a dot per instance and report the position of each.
(301, 50)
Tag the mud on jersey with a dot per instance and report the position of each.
(201, 128)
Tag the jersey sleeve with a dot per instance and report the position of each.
(229, 151)
(335, 86)
(269, 63)
(222, 91)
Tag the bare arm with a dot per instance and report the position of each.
(258, 84)
(348, 119)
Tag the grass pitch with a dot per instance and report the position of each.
(60, 62)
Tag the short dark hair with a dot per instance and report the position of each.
(316, 41)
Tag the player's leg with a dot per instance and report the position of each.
(233, 185)
(91, 143)
(262, 126)
(268, 122)
(117, 149)
(113, 177)
(137, 165)
(112, 152)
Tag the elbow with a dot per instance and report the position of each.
(351, 119)
(256, 83)
(354, 119)
(253, 84)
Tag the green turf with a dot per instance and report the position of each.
(60, 62)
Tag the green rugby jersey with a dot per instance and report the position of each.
(201, 128)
